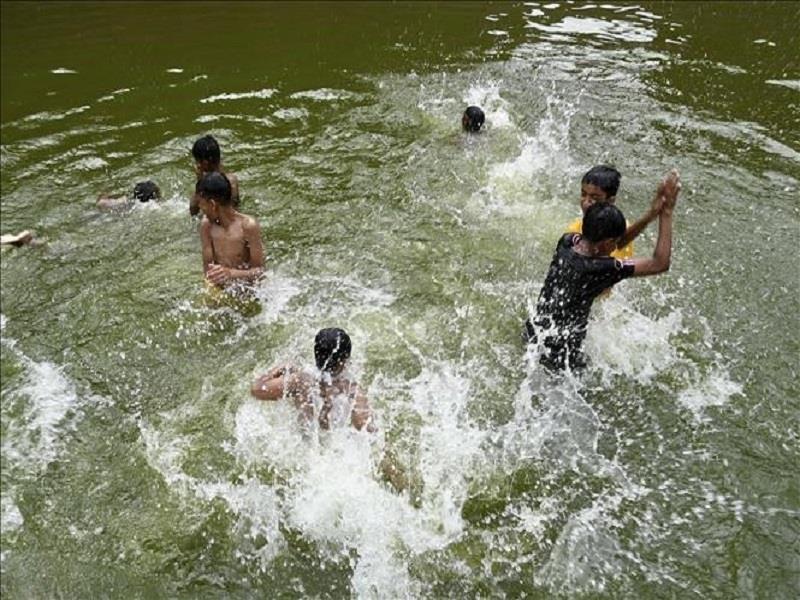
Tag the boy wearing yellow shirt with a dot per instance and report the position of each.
(600, 184)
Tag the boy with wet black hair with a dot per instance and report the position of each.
(231, 241)
(472, 119)
(582, 268)
(144, 191)
(208, 159)
(600, 184)
(330, 394)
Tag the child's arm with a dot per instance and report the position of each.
(361, 415)
(633, 231)
(272, 385)
(207, 244)
(112, 201)
(234, 181)
(660, 261)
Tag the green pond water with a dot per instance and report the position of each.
(136, 465)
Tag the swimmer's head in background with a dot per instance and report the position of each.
(603, 221)
(332, 348)
(605, 177)
(214, 186)
(144, 191)
(206, 153)
(473, 119)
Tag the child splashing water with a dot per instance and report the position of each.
(331, 397)
(583, 268)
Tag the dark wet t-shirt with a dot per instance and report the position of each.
(562, 311)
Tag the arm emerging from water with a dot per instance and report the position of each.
(362, 416)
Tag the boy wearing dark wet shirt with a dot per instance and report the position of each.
(582, 269)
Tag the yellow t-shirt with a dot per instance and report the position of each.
(621, 253)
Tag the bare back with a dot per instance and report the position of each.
(338, 403)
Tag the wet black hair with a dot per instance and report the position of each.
(145, 191)
(473, 118)
(604, 177)
(332, 348)
(206, 148)
(214, 186)
(603, 221)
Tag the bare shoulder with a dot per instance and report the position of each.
(299, 382)
(205, 225)
(249, 224)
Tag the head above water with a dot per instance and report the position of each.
(206, 151)
(214, 186)
(332, 349)
(603, 221)
(473, 119)
(144, 191)
(605, 177)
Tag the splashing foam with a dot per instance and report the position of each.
(487, 96)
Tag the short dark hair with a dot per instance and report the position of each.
(206, 148)
(605, 177)
(603, 221)
(214, 186)
(145, 191)
(332, 348)
(473, 118)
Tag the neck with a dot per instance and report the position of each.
(587, 248)
(225, 216)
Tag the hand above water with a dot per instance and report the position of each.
(217, 274)
(670, 188)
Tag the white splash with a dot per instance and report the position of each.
(325, 95)
(792, 84)
(715, 389)
(262, 93)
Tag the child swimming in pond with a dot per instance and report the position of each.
(472, 120)
(582, 268)
(231, 241)
(144, 191)
(330, 395)
(208, 159)
(600, 184)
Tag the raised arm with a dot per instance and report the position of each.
(633, 230)
(662, 255)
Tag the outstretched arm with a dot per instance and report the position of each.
(633, 231)
(662, 255)
(272, 385)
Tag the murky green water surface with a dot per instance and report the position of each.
(134, 462)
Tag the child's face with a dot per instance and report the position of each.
(209, 208)
(592, 194)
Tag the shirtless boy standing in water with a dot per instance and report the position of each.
(329, 396)
(232, 248)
